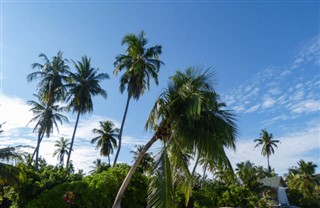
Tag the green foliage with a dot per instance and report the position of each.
(37, 182)
(98, 190)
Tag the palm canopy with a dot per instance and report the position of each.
(106, 139)
(187, 117)
(267, 142)
(46, 116)
(53, 75)
(140, 64)
(190, 113)
(84, 84)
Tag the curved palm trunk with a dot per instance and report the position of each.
(36, 151)
(125, 183)
(121, 129)
(72, 140)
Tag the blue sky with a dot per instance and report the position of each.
(266, 56)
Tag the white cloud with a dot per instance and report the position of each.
(253, 108)
(306, 106)
(268, 102)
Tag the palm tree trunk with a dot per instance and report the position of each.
(269, 168)
(125, 183)
(121, 129)
(38, 144)
(195, 165)
(72, 140)
(205, 167)
(36, 151)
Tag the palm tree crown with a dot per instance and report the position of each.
(106, 139)
(84, 84)
(140, 64)
(53, 76)
(267, 142)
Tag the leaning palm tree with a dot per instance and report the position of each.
(46, 117)
(62, 149)
(53, 75)
(140, 64)
(106, 139)
(267, 142)
(185, 118)
(84, 84)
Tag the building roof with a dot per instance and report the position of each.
(274, 182)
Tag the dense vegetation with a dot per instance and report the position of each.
(189, 121)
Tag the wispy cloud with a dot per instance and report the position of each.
(292, 89)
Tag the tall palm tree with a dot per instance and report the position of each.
(53, 75)
(267, 142)
(62, 149)
(106, 139)
(140, 64)
(84, 84)
(46, 117)
(146, 163)
(186, 117)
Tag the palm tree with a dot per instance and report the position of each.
(267, 142)
(249, 175)
(53, 75)
(146, 163)
(63, 146)
(107, 139)
(140, 64)
(8, 173)
(84, 84)
(185, 118)
(99, 166)
(46, 117)
(303, 178)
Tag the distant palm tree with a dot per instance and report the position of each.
(53, 75)
(146, 163)
(106, 139)
(84, 84)
(46, 117)
(63, 147)
(140, 64)
(99, 166)
(267, 142)
(185, 117)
